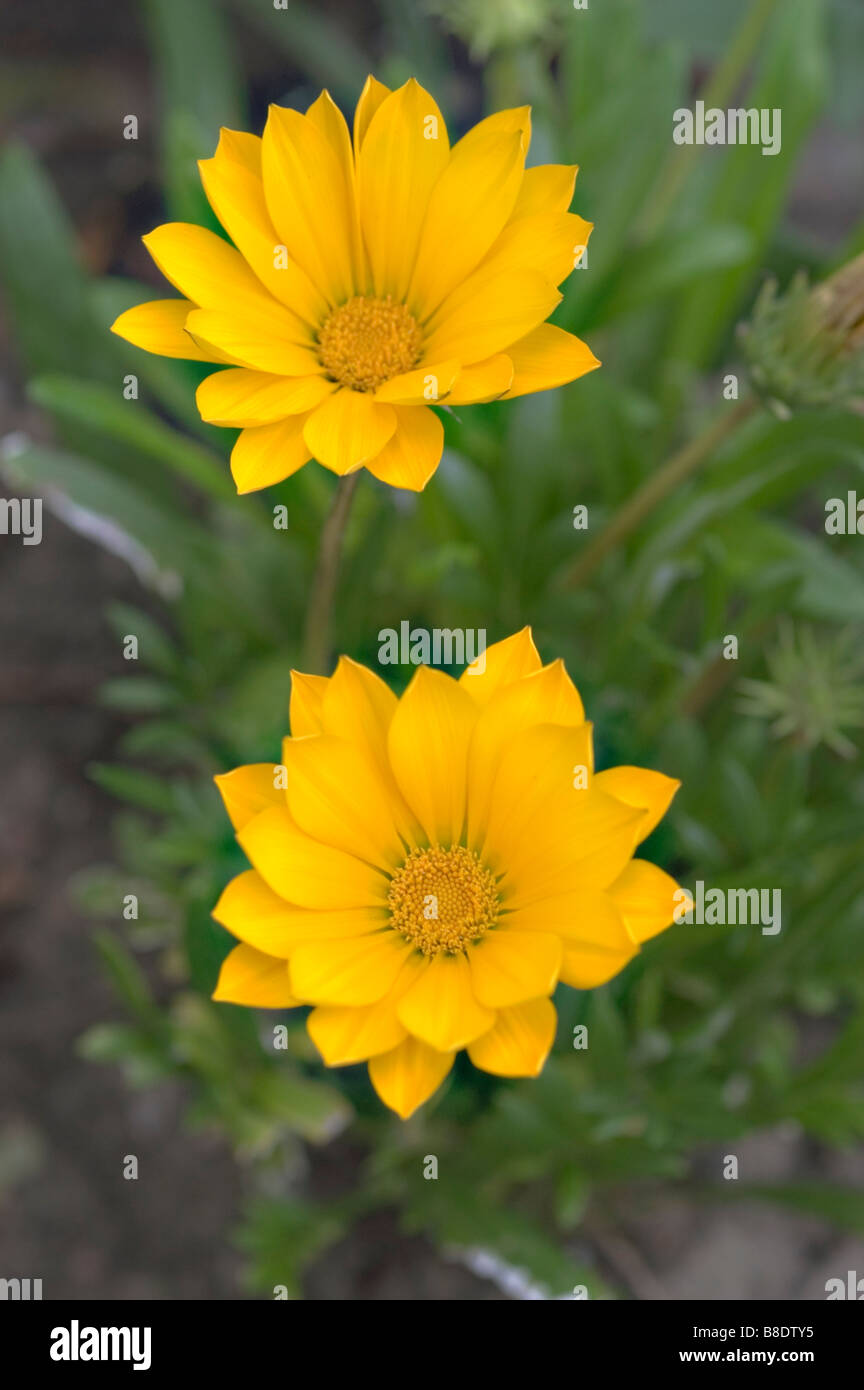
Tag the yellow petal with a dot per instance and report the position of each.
(501, 663)
(520, 1042)
(510, 966)
(423, 386)
(238, 397)
(646, 898)
(358, 705)
(249, 977)
(484, 381)
(548, 357)
(440, 1008)
(582, 916)
(407, 1076)
(160, 327)
(310, 202)
(337, 795)
(470, 204)
(305, 872)
(235, 190)
(410, 458)
(211, 273)
(255, 914)
(545, 188)
(265, 454)
(651, 792)
(513, 120)
(247, 343)
(374, 92)
(489, 312)
(348, 430)
(359, 970)
(547, 696)
(547, 815)
(584, 968)
(307, 698)
(325, 114)
(344, 1035)
(404, 153)
(428, 742)
(249, 790)
(551, 243)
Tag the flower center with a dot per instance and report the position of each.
(442, 900)
(367, 341)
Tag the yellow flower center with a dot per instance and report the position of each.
(367, 341)
(442, 899)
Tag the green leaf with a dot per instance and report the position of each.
(131, 784)
(129, 422)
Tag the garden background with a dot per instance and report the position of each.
(257, 1168)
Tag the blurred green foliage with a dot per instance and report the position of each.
(699, 1040)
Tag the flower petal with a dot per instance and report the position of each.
(520, 1042)
(305, 872)
(547, 816)
(646, 898)
(469, 206)
(440, 1008)
(238, 397)
(651, 792)
(404, 153)
(547, 696)
(266, 454)
(250, 977)
(484, 381)
(407, 1076)
(310, 202)
(428, 743)
(373, 94)
(348, 430)
(501, 663)
(423, 386)
(160, 327)
(358, 705)
(212, 274)
(545, 188)
(337, 795)
(249, 790)
(410, 458)
(584, 968)
(359, 970)
(235, 190)
(582, 916)
(255, 914)
(508, 967)
(551, 243)
(307, 698)
(489, 312)
(548, 357)
(245, 342)
(345, 1035)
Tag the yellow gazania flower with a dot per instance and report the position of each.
(369, 278)
(426, 869)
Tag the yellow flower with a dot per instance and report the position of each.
(369, 278)
(427, 869)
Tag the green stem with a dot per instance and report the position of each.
(319, 614)
(659, 485)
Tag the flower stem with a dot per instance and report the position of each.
(319, 614)
(659, 485)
